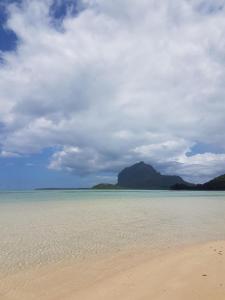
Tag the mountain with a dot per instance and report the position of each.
(144, 176)
(216, 184)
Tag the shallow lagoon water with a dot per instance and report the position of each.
(39, 227)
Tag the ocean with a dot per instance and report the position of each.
(41, 227)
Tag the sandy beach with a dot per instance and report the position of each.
(194, 272)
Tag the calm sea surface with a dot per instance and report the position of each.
(39, 227)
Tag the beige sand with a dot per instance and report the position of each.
(192, 273)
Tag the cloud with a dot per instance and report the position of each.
(6, 154)
(117, 82)
(197, 168)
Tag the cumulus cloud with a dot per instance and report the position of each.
(117, 82)
(197, 168)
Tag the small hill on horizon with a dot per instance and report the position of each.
(216, 184)
(105, 186)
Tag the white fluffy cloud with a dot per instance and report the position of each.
(120, 81)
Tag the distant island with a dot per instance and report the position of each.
(143, 176)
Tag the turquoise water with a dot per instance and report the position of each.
(39, 227)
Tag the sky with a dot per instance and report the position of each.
(88, 87)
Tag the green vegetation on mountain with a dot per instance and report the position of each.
(105, 186)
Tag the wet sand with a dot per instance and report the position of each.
(194, 272)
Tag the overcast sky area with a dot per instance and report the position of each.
(88, 87)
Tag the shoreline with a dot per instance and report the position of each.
(186, 272)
